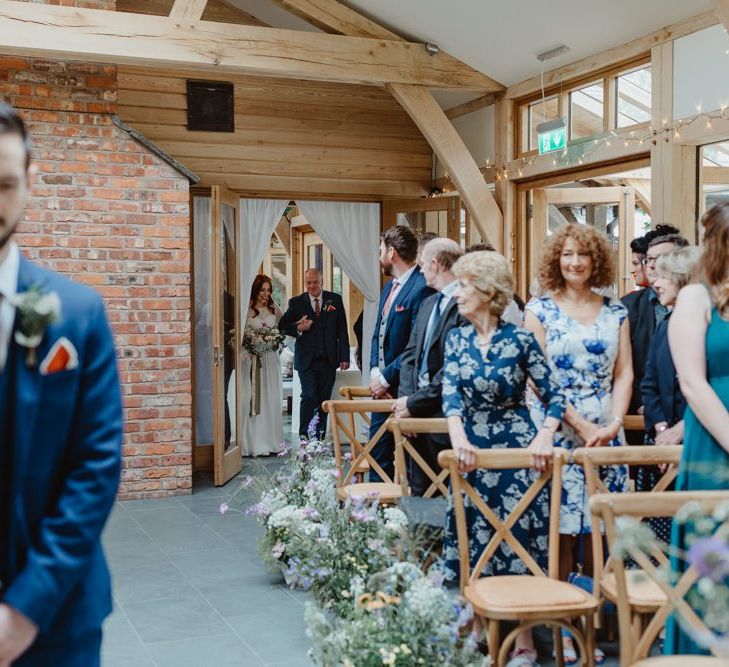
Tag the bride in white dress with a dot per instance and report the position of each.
(262, 432)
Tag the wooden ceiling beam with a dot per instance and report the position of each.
(215, 10)
(120, 38)
(473, 105)
(188, 10)
(721, 7)
(421, 106)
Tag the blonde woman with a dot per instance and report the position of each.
(487, 365)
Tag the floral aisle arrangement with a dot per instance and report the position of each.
(707, 541)
(398, 616)
(372, 603)
(263, 339)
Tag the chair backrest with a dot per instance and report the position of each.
(609, 507)
(351, 393)
(591, 459)
(360, 451)
(504, 459)
(634, 423)
(399, 428)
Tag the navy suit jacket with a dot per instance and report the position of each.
(66, 455)
(661, 393)
(330, 328)
(642, 318)
(400, 323)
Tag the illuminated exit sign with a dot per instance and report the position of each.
(552, 136)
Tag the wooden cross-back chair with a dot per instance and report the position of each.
(635, 641)
(352, 393)
(537, 598)
(401, 427)
(361, 459)
(644, 596)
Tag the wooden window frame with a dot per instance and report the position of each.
(608, 75)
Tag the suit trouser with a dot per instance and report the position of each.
(384, 451)
(428, 448)
(78, 652)
(317, 383)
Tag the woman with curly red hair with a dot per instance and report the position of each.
(698, 335)
(586, 338)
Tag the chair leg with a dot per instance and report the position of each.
(558, 646)
(493, 630)
(590, 640)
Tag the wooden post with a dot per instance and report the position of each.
(673, 166)
(721, 7)
(191, 10)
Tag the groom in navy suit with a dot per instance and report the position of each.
(60, 444)
(399, 304)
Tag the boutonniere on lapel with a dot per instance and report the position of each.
(329, 307)
(399, 309)
(37, 310)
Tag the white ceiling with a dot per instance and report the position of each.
(502, 38)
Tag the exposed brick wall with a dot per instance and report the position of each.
(110, 214)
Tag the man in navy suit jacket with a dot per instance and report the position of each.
(318, 321)
(60, 445)
(399, 304)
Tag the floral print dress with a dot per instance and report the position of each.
(582, 358)
(487, 389)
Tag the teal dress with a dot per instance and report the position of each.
(704, 462)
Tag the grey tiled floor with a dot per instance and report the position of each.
(190, 589)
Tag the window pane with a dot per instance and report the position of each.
(538, 113)
(634, 97)
(714, 176)
(586, 111)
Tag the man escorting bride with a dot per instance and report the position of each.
(262, 427)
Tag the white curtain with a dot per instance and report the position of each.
(257, 221)
(351, 231)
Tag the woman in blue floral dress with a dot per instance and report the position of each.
(587, 340)
(487, 365)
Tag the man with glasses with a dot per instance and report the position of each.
(645, 312)
(638, 249)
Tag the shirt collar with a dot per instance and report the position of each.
(652, 296)
(449, 290)
(9, 271)
(406, 276)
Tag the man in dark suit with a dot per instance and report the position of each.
(399, 304)
(60, 444)
(421, 370)
(645, 311)
(318, 321)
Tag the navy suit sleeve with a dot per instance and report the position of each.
(391, 372)
(287, 323)
(650, 392)
(342, 331)
(69, 534)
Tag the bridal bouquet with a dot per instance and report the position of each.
(263, 339)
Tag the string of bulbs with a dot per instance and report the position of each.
(562, 159)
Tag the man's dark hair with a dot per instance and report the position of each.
(480, 247)
(640, 245)
(660, 230)
(404, 242)
(12, 123)
(677, 240)
(424, 238)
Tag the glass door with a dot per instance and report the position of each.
(611, 210)
(226, 336)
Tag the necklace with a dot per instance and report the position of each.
(485, 341)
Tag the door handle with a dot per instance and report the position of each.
(216, 355)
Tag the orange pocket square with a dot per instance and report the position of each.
(61, 357)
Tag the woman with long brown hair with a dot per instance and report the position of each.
(698, 335)
(262, 392)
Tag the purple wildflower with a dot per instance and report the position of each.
(710, 556)
(223, 508)
(313, 426)
(362, 514)
(246, 482)
(278, 550)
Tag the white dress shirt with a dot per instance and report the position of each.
(447, 292)
(9, 270)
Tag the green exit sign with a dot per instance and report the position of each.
(552, 136)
